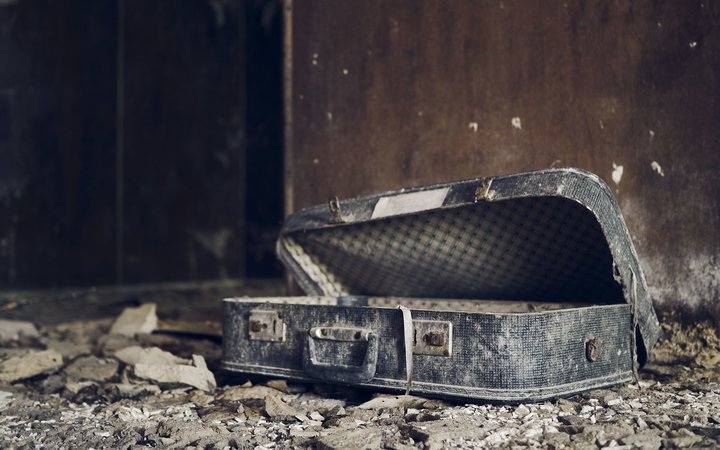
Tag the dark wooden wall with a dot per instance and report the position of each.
(144, 98)
(386, 94)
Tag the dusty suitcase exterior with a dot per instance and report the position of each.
(513, 288)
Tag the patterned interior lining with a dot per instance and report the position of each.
(533, 249)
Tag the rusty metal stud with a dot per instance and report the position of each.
(434, 338)
(593, 348)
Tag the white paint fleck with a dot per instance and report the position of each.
(617, 173)
(345, 72)
(316, 161)
(652, 133)
(420, 113)
(515, 121)
(315, 57)
(657, 168)
(693, 44)
(601, 124)
(329, 115)
(473, 126)
(659, 25)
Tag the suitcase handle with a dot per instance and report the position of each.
(333, 371)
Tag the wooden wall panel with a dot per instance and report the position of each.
(386, 94)
(57, 142)
(184, 178)
(178, 69)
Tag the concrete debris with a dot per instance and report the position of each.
(368, 438)
(5, 399)
(675, 405)
(196, 375)
(132, 390)
(239, 393)
(394, 401)
(644, 440)
(682, 438)
(68, 349)
(132, 321)
(28, 365)
(12, 330)
(277, 409)
(280, 385)
(137, 355)
(92, 368)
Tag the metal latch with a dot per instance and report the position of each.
(266, 326)
(432, 337)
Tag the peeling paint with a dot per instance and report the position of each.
(473, 126)
(617, 173)
(515, 121)
(693, 44)
(657, 168)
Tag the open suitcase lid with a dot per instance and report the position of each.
(547, 236)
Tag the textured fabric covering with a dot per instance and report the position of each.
(531, 249)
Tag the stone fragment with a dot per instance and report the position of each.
(239, 393)
(682, 438)
(394, 401)
(12, 330)
(131, 390)
(92, 368)
(29, 364)
(522, 411)
(277, 409)
(68, 349)
(137, 355)
(369, 438)
(5, 399)
(644, 440)
(280, 385)
(74, 387)
(197, 375)
(132, 321)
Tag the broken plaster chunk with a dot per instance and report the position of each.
(12, 330)
(239, 393)
(365, 438)
(394, 401)
(197, 375)
(29, 365)
(92, 368)
(137, 355)
(277, 409)
(132, 321)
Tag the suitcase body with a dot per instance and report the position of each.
(509, 289)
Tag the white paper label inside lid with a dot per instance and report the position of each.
(409, 203)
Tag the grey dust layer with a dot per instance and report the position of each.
(77, 385)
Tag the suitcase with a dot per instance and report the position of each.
(506, 289)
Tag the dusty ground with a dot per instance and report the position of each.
(89, 399)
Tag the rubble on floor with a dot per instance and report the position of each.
(78, 385)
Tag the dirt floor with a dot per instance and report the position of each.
(74, 384)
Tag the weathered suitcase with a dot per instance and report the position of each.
(513, 288)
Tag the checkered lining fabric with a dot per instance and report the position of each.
(531, 249)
